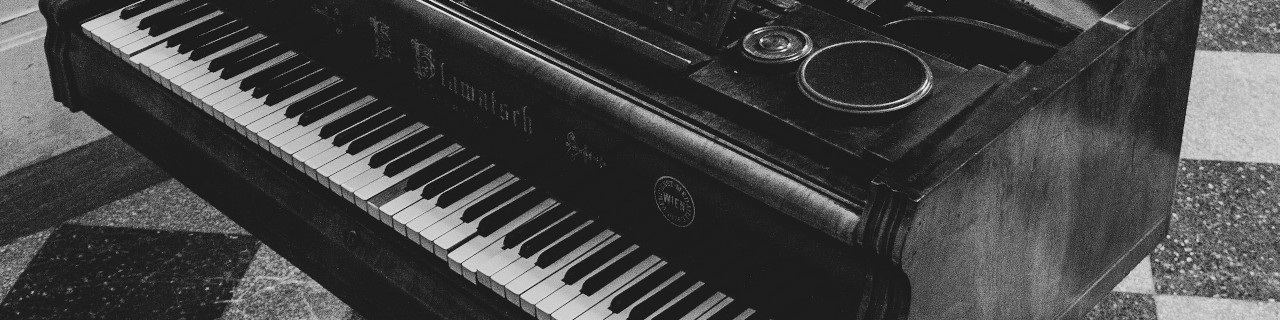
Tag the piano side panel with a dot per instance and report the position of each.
(365, 264)
(1057, 208)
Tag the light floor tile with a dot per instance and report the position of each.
(19, 26)
(165, 206)
(33, 127)
(273, 288)
(1233, 112)
(1201, 308)
(1139, 279)
(14, 8)
(15, 256)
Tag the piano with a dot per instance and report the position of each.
(614, 159)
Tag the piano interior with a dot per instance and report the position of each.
(661, 159)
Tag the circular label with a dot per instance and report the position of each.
(673, 201)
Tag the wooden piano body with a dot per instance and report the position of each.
(1032, 202)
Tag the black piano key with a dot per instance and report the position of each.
(435, 187)
(730, 311)
(485, 205)
(222, 42)
(638, 289)
(181, 19)
(329, 107)
(559, 250)
(504, 215)
(198, 29)
(351, 119)
(165, 19)
(591, 262)
(435, 170)
(647, 307)
(261, 78)
(400, 148)
(557, 230)
(417, 155)
(362, 128)
(275, 83)
(613, 271)
(236, 55)
(684, 306)
(467, 187)
(377, 135)
(140, 7)
(342, 88)
(149, 21)
(528, 229)
(347, 93)
(214, 39)
(235, 69)
(297, 87)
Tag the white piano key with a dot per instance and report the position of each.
(568, 292)
(104, 19)
(596, 306)
(418, 224)
(681, 296)
(501, 278)
(627, 312)
(449, 217)
(396, 206)
(133, 48)
(461, 230)
(547, 280)
(329, 169)
(384, 182)
(360, 160)
(471, 250)
(297, 132)
(704, 307)
(126, 26)
(715, 308)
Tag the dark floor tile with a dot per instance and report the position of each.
(1124, 306)
(87, 272)
(1223, 237)
(1240, 25)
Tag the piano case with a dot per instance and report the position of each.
(1007, 210)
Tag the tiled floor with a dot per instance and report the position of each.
(181, 258)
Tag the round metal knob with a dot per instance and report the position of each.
(865, 77)
(776, 44)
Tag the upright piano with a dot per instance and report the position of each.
(661, 159)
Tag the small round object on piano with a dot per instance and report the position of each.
(776, 45)
(864, 77)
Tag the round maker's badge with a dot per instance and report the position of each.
(673, 201)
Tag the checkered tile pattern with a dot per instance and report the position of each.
(164, 252)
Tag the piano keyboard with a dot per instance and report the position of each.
(490, 226)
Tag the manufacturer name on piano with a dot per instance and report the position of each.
(427, 68)
(516, 115)
(674, 201)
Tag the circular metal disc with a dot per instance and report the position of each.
(865, 77)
